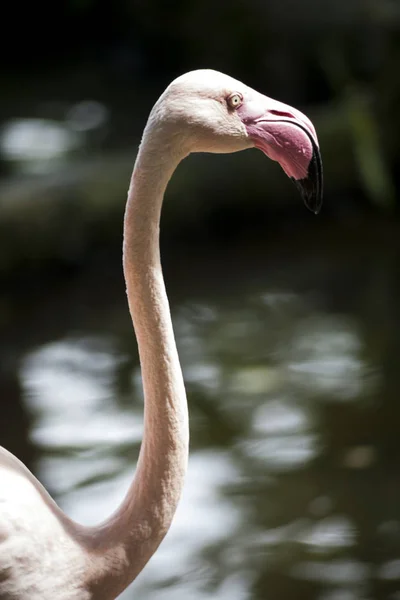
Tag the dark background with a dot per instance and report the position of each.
(336, 61)
(287, 324)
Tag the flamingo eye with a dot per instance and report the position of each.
(234, 100)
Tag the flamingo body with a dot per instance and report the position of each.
(43, 554)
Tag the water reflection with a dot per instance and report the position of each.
(292, 490)
(37, 145)
(41, 145)
(327, 351)
(69, 384)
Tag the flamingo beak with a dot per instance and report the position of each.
(311, 186)
(287, 136)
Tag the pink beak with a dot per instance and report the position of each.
(287, 136)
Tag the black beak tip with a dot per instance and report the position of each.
(309, 193)
(313, 202)
(311, 186)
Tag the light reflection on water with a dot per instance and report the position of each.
(289, 492)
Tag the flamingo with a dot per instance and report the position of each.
(44, 555)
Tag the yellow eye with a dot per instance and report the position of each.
(234, 100)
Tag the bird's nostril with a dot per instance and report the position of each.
(280, 113)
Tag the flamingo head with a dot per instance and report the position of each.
(215, 113)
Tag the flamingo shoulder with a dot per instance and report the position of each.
(38, 556)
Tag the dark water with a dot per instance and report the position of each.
(291, 354)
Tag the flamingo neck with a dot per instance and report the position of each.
(123, 545)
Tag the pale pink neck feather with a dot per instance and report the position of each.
(121, 547)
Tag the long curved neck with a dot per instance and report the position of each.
(125, 543)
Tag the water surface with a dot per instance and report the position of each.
(290, 350)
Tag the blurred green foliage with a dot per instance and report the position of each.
(337, 60)
(277, 46)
